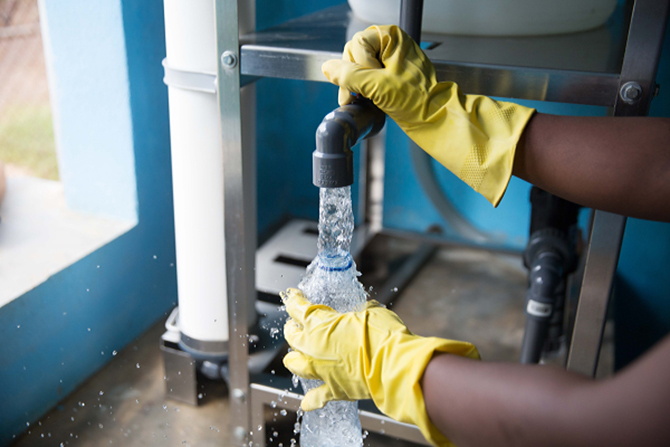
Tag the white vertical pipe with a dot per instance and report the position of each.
(197, 174)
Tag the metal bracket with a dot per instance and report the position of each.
(188, 80)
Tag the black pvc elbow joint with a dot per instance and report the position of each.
(340, 130)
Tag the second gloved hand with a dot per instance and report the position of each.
(473, 136)
(362, 355)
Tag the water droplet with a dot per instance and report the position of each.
(137, 365)
(114, 352)
(82, 404)
(283, 412)
(101, 393)
(18, 326)
(155, 257)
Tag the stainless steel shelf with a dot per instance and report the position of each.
(581, 68)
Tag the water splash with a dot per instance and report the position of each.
(332, 279)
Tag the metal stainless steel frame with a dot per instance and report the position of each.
(638, 73)
(232, 18)
(546, 68)
(542, 68)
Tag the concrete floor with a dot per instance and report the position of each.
(465, 294)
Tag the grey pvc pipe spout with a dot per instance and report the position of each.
(340, 130)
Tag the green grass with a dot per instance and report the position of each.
(27, 140)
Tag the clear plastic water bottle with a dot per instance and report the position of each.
(332, 280)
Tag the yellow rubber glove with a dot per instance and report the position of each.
(473, 136)
(362, 355)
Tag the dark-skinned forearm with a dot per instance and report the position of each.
(477, 403)
(617, 164)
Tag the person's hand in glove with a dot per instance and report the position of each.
(473, 136)
(362, 355)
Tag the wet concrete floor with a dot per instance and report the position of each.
(460, 293)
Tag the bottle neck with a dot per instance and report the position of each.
(335, 262)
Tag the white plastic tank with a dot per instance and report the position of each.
(494, 17)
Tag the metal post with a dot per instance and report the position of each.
(411, 16)
(236, 118)
(637, 84)
(637, 88)
(601, 261)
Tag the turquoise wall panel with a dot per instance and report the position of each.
(60, 333)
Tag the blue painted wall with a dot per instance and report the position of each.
(57, 335)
